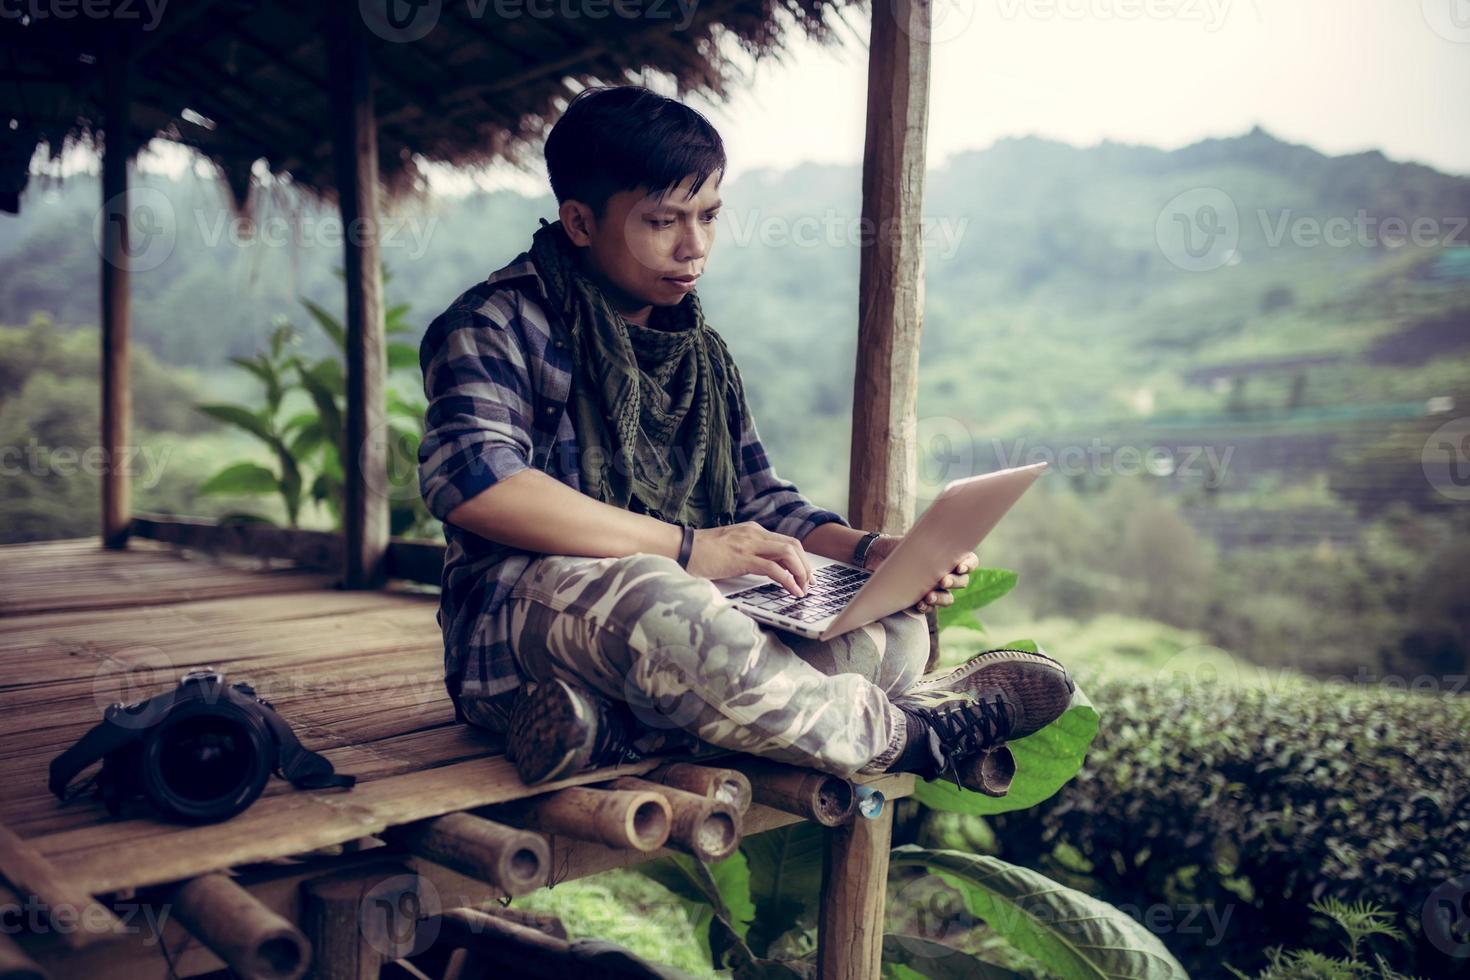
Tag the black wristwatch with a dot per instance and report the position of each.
(686, 546)
(860, 553)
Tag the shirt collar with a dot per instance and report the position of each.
(520, 267)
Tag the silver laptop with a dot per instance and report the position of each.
(842, 597)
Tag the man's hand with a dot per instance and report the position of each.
(956, 578)
(747, 548)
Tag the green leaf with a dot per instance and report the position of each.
(986, 586)
(403, 357)
(241, 478)
(785, 879)
(1045, 761)
(1070, 932)
(393, 321)
(266, 372)
(317, 382)
(308, 440)
(906, 957)
(330, 325)
(398, 405)
(241, 417)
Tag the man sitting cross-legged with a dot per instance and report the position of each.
(592, 454)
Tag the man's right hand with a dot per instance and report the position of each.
(747, 548)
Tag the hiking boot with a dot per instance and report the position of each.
(1036, 688)
(558, 729)
(954, 726)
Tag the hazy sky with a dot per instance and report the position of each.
(1339, 75)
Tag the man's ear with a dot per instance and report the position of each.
(577, 221)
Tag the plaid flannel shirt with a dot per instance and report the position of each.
(497, 373)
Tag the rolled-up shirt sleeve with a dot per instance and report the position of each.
(477, 427)
(773, 503)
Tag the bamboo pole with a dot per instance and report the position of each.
(253, 941)
(15, 964)
(708, 829)
(617, 818)
(34, 878)
(726, 785)
(827, 799)
(513, 860)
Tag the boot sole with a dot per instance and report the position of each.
(948, 680)
(540, 757)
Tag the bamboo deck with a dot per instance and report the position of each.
(358, 675)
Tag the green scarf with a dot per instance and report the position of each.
(649, 405)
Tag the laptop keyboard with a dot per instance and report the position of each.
(830, 588)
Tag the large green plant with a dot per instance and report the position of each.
(755, 910)
(308, 445)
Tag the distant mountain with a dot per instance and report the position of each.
(1065, 286)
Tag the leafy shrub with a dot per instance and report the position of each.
(1257, 800)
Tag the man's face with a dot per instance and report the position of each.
(641, 246)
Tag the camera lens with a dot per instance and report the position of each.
(205, 758)
(206, 762)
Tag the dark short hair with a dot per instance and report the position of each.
(625, 137)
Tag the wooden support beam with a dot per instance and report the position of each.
(355, 149)
(255, 942)
(882, 464)
(357, 920)
(827, 799)
(117, 405)
(415, 561)
(706, 828)
(512, 860)
(72, 912)
(881, 468)
(15, 964)
(854, 885)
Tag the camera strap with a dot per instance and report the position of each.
(101, 740)
(304, 768)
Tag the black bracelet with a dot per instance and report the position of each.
(860, 553)
(686, 546)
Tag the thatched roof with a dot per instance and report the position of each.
(245, 80)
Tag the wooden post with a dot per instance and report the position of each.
(355, 148)
(854, 882)
(361, 918)
(117, 404)
(881, 468)
(882, 464)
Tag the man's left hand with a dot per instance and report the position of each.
(956, 578)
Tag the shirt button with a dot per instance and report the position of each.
(560, 343)
(550, 409)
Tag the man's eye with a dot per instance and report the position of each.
(711, 218)
(661, 224)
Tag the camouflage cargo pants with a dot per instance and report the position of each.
(690, 665)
